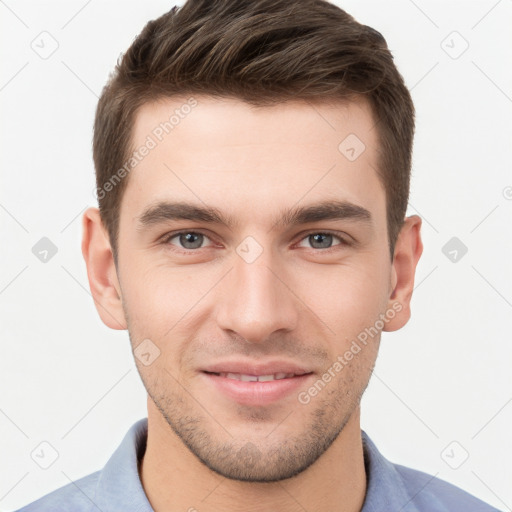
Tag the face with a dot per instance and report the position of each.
(247, 293)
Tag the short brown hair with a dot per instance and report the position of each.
(263, 52)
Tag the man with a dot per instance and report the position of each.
(253, 163)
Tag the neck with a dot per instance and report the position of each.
(175, 480)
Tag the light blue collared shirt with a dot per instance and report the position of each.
(390, 487)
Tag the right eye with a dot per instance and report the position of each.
(188, 240)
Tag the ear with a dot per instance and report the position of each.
(101, 270)
(407, 253)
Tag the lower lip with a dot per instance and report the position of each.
(257, 393)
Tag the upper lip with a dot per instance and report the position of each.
(253, 368)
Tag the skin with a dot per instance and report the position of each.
(299, 301)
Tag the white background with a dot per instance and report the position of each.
(69, 380)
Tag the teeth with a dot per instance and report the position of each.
(257, 378)
(249, 378)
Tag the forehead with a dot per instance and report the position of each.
(253, 161)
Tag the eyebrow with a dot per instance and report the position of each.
(327, 210)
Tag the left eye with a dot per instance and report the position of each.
(188, 239)
(322, 240)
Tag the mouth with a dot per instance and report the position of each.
(256, 388)
(256, 378)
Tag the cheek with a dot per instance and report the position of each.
(161, 300)
(346, 297)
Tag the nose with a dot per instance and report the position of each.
(257, 299)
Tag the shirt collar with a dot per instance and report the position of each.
(385, 488)
(119, 487)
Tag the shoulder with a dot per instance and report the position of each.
(115, 487)
(396, 487)
(425, 490)
(78, 496)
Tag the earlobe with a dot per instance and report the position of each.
(407, 253)
(101, 270)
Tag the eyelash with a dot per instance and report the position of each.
(170, 236)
